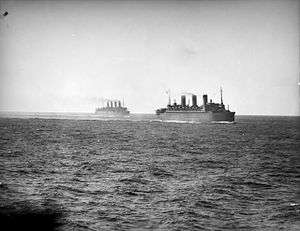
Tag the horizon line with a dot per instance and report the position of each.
(146, 113)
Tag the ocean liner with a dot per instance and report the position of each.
(112, 109)
(207, 112)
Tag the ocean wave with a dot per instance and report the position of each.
(165, 177)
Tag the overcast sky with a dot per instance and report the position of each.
(61, 56)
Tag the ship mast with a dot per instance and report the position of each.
(221, 91)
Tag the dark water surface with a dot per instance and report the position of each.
(148, 175)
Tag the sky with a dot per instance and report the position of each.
(68, 56)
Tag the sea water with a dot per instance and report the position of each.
(143, 174)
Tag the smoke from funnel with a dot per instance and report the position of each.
(187, 93)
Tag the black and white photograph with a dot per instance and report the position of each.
(142, 115)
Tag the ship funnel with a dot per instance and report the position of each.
(204, 100)
(119, 102)
(116, 103)
(111, 104)
(194, 100)
(183, 101)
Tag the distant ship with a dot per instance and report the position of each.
(113, 109)
(207, 112)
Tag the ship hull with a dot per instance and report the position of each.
(193, 116)
(111, 114)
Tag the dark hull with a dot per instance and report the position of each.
(194, 116)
